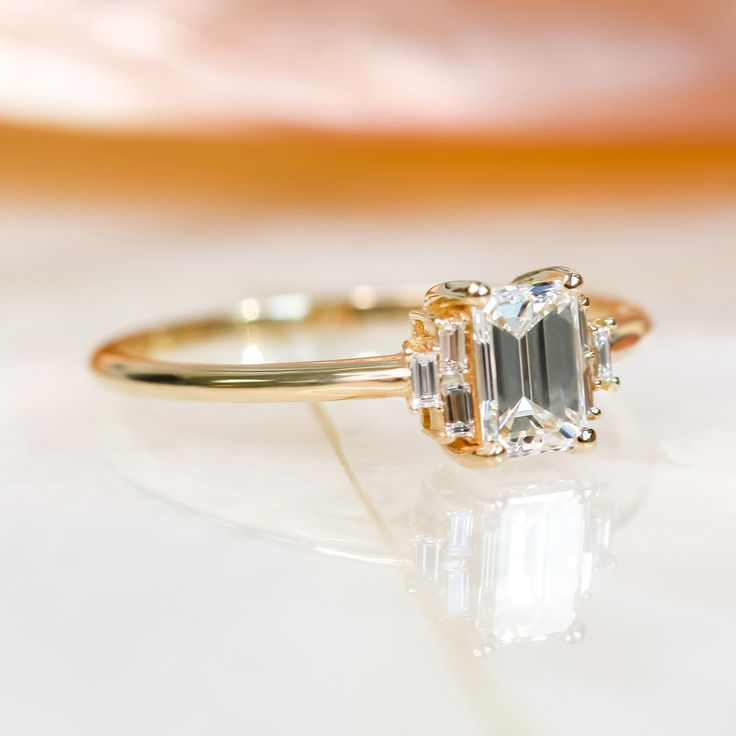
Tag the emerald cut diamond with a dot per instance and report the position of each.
(510, 371)
(530, 367)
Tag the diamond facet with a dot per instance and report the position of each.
(425, 381)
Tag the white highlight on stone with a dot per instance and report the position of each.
(425, 384)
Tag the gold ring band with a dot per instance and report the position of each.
(131, 361)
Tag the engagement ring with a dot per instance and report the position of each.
(492, 372)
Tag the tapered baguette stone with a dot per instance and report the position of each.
(530, 368)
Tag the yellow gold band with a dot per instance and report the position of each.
(131, 363)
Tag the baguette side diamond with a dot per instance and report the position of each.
(425, 383)
(452, 346)
(602, 343)
(459, 411)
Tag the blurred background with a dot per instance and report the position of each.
(166, 156)
(280, 104)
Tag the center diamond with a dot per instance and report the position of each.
(530, 368)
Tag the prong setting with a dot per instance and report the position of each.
(573, 280)
(516, 366)
(569, 278)
(451, 295)
(587, 436)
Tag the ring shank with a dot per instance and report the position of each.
(131, 364)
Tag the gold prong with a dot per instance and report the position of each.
(458, 290)
(454, 298)
(473, 460)
(587, 436)
(496, 451)
(477, 288)
(570, 279)
(584, 301)
(594, 412)
(613, 384)
(610, 322)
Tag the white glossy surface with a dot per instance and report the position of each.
(540, 560)
(129, 608)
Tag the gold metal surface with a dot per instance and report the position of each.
(131, 362)
(571, 279)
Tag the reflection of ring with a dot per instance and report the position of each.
(513, 564)
(492, 371)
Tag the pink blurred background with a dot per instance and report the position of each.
(575, 70)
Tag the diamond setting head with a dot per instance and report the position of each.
(509, 371)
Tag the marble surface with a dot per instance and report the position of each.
(195, 568)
